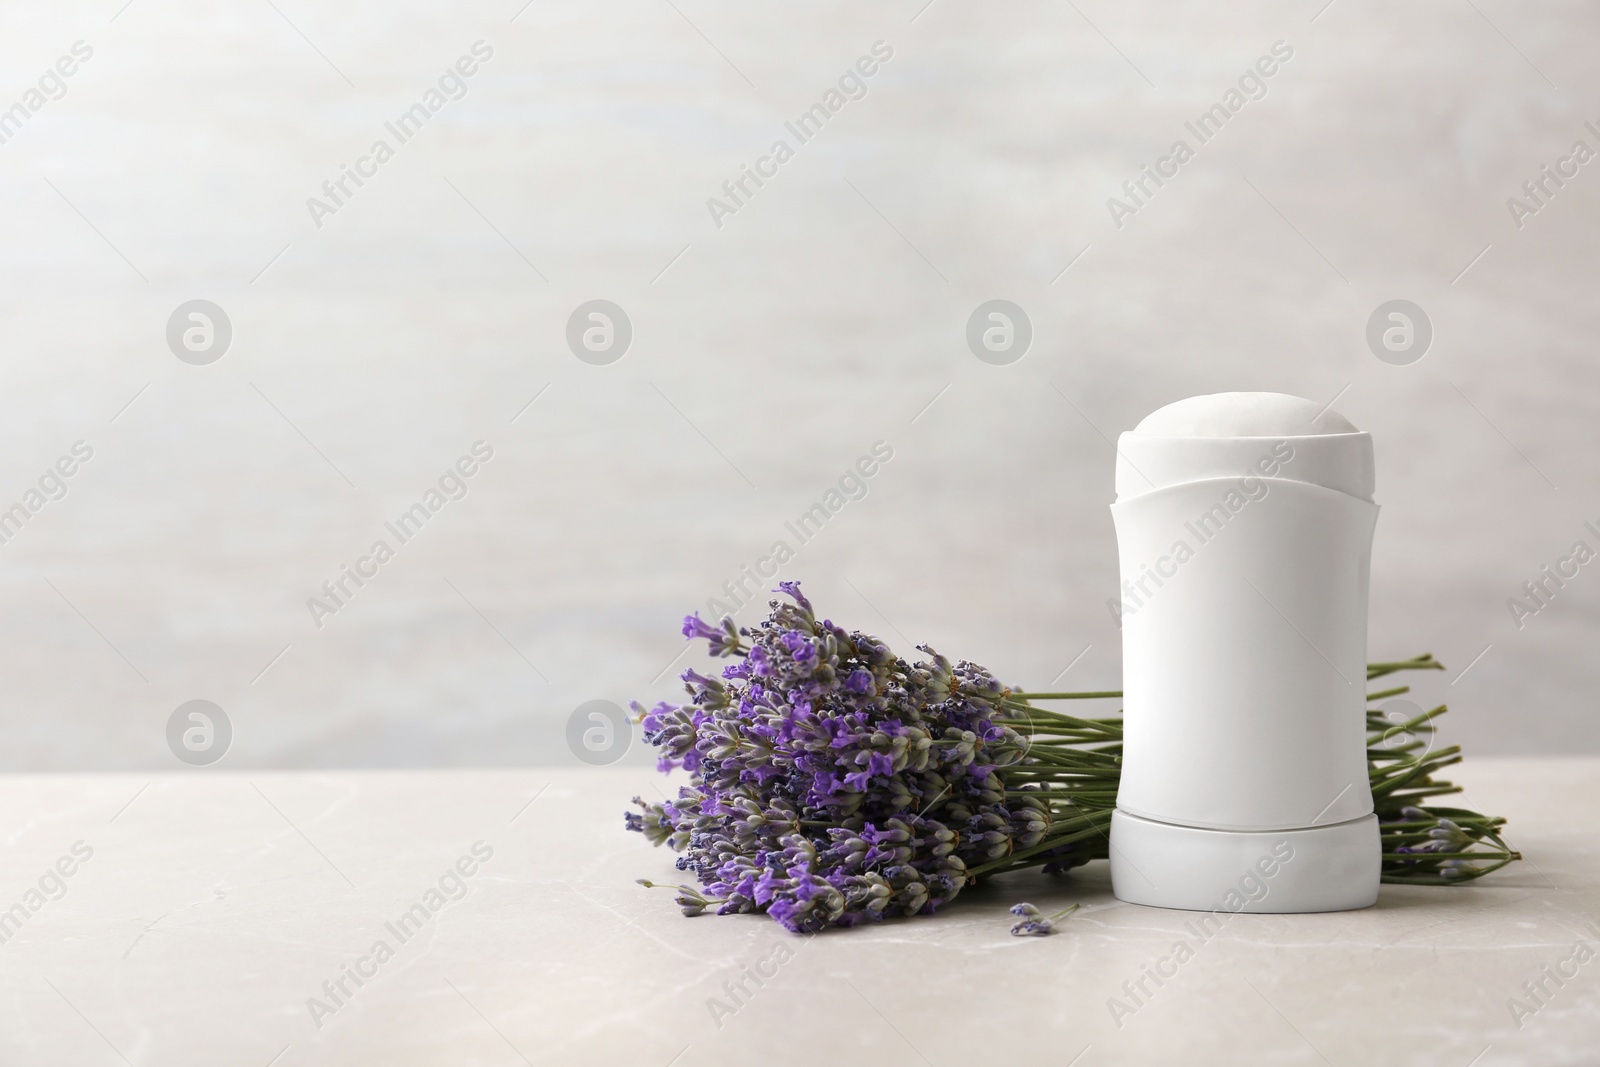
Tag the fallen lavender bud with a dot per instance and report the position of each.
(690, 899)
(1034, 924)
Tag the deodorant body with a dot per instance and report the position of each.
(1244, 532)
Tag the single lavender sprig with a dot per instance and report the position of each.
(1036, 924)
(690, 899)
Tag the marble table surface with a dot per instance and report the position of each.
(215, 918)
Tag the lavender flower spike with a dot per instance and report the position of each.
(723, 637)
(1034, 924)
(833, 783)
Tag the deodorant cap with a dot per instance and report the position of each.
(1229, 435)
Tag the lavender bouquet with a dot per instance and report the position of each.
(833, 783)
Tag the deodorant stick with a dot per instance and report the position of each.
(1244, 530)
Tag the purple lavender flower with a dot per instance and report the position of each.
(834, 783)
(723, 637)
(1034, 923)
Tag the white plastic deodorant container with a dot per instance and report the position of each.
(1244, 529)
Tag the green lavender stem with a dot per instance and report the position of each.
(1072, 764)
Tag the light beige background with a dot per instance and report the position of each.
(768, 354)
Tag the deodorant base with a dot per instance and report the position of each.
(1320, 868)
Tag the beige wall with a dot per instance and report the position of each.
(819, 318)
